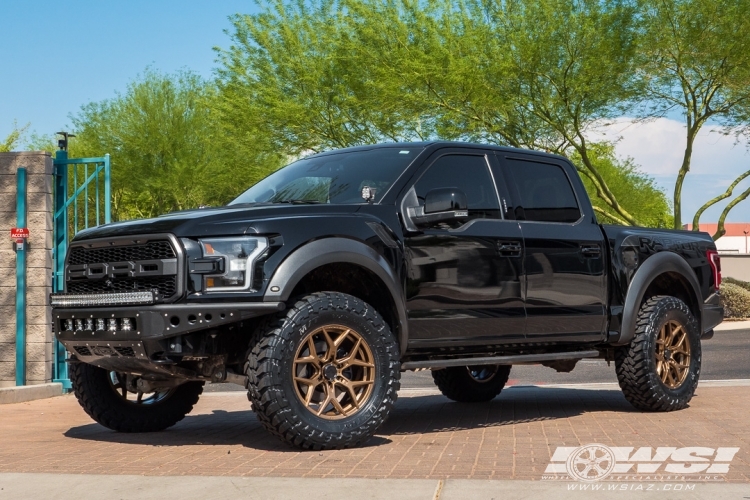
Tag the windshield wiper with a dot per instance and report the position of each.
(300, 202)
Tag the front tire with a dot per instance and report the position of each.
(324, 374)
(472, 384)
(109, 399)
(660, 368)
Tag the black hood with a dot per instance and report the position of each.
(234, 219)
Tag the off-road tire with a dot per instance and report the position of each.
(270, 373)
(94, 392)
(457, 384)
(635, 363)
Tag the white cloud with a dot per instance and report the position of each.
(658, 147)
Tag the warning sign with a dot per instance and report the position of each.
(19, 233)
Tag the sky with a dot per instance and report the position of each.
(58, 56)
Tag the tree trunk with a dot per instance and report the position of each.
(684, 169)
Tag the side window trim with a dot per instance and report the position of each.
(516, 194)
(504, 187)
(500, 198)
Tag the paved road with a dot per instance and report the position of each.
(726, 356)
(430, 448)
(427, 436)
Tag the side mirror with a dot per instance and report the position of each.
(444, 204)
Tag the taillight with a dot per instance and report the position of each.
(715, 262)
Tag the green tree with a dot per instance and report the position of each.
(696, 59)
(167, 152)
(535, 74)
(14, 138)
(647, 201)
(291, 70)
(42, 142)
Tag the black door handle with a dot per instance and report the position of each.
(509, 248)
(591, 250)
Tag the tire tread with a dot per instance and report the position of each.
(100, 402)
(266, 395)
(634, 367)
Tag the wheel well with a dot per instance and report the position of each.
(353, 280)
(676, 285)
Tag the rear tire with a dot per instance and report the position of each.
(660, 368)
(472, 384)
(99, 397)
(324, 374)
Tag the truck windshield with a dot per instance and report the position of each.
(338, 178)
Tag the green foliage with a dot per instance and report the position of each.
(637, 191)
(296, 71)
(167, 153)
(13, 139)
(736, 282)
(307, 76)
(736, 300)
(526, 73)
(695, 58)
(39, 142)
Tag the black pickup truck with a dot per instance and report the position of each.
(320, 284)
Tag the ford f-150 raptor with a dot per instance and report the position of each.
(320, 284)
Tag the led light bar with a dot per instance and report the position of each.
(101, 299)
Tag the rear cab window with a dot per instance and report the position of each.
(544, 192)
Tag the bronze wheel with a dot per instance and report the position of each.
(672, 354)
(324, 373)
(334, 372)
(660, 367)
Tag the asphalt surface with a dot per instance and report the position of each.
(725, 357)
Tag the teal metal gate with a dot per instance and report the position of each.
(87, 204)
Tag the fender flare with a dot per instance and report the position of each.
(335, 250)
(654, 266)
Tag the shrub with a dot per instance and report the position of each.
(740, 283)
(736, 299)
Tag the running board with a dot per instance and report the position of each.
(498, 360)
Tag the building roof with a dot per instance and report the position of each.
(732, 228)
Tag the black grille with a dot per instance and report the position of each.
(165, 285)
(103, 351)
(83, 350)
(128, 352)
(152, 250)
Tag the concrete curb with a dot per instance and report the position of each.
(106, 487)
(20, 394)
(727, 326)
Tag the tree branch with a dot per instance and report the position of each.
(720, 231)
(609, 215)
(714, 201)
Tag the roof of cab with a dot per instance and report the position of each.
(436, 144)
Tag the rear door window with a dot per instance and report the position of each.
(544, 190)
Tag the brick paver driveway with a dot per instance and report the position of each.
(427, 436)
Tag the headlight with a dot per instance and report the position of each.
(239, 256)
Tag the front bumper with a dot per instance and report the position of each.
(148, 325)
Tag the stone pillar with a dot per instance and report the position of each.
(38, 267)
